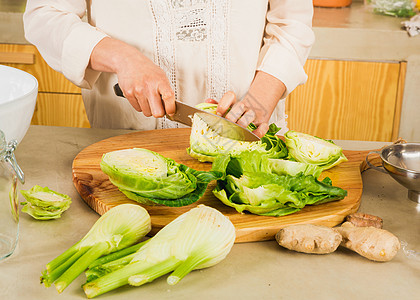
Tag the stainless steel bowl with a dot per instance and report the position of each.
(402, 162)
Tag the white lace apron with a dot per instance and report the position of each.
(197, 21)
(192, 21)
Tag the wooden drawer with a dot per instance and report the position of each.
(60, 110)
(28, 59)
(348, 100)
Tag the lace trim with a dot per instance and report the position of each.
(191, 24)
(192, 21)
(218, 63)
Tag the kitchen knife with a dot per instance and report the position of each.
(184, 113)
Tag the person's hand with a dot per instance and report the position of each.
(257, 105)
(243, 112)
(145, 85)
(142, 82)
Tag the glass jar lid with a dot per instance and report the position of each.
(7, 154)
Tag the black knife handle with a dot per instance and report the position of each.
(118, 91)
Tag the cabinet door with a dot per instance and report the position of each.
(60, 110)
(28, 59)
(348, 100)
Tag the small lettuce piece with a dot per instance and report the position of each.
(250, 185)
(150, 178)
(43, 203)
(206, 144)
(313, 150)
(293, 168)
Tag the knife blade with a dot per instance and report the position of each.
(223, 127)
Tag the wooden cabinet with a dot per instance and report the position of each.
(59, 102)
(59, 109)
(351, 100)
(348, 100)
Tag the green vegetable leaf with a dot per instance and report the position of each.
(43, 203)
(203, 179)
(293, 168)
(250, 184)
(149, 178)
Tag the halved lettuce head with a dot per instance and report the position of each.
(313, 150)
(253, 183)
(150, 178)
(206, 144)
(43, 203)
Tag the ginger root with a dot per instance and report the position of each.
(309, 238)
(364, 220)
(373, 243)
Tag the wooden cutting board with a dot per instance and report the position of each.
(101, 195)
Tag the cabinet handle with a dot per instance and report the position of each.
(17, 58)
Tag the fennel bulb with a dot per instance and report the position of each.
(118, 228)
(199, 238)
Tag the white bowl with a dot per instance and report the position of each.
(18, 92)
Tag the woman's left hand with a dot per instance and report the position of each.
(243, 112)
(257, 105)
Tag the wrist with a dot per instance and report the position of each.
(111, 55)
(266, 90)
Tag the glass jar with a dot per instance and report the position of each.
(10, 172)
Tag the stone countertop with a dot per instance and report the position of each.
(258, 270)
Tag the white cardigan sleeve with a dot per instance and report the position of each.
(287, 41)
(66, 42)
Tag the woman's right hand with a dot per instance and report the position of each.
(142, 82)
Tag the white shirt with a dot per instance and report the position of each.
(206, 47)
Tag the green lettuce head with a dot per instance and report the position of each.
(313, 150)
(150, 178)
(206, 144)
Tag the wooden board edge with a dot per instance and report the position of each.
(251, 235)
